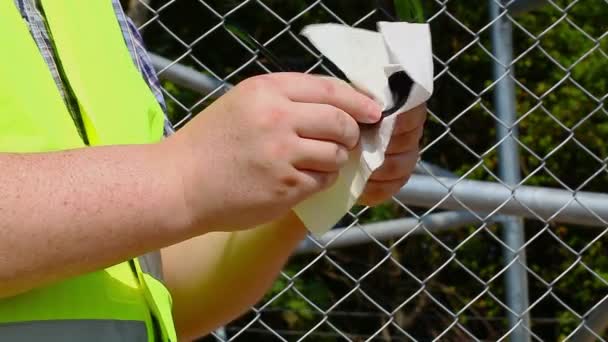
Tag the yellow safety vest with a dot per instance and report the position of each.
(125, 302)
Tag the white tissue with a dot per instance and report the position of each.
(367, 58)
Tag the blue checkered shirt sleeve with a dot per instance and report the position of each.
(140, 56)
(133, 40)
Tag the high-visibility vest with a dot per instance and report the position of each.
(124, 302)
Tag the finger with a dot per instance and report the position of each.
(396, 166)
(334, 79)
(410, 120)
(313, 89)
(377, 192)
(325, 122)
(297, 185)
(313, 182)
(405, 142)
(319, 156)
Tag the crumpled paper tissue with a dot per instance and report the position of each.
(368, 59)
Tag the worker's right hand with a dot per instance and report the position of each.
(266, 145)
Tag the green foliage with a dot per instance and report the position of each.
(296, 311)
(409, 10)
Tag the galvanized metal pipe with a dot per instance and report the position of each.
(582, 208)
(386, 230)
(187, 77)
(546, 204)
(516, 277)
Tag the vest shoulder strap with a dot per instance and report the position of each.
(116, 104)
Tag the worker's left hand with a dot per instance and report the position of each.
(400, 158)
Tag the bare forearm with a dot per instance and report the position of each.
(216, 277)
(71, 212)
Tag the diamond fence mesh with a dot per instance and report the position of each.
(516, 127)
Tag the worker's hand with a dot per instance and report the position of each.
(266, 145)
(400, 158)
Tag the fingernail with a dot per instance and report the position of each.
(342, 156)
(375, 112)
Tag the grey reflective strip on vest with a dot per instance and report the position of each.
(151, 264)
(74, 330)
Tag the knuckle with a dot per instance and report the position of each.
(341, 155)
(407, 142)
(402, 144)
(398, 143)
(277, 150)
(336, 159)
(341, 123)
(269, 117)
(412, 138)
(258, 85)
(328, 87)
(289, 181)
(285, 187)
(390, 168)
(328, 179)
(408, 122)
(337, 151)
(280, 192)
(347, 129)
(381, 191)
(396, 167)
(406, 125)
(250, 84)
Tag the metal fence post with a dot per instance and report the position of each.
(516, 279)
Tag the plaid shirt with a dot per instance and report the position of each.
(37, 25)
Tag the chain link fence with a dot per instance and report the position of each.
(500, 234)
